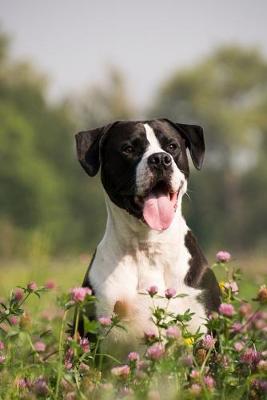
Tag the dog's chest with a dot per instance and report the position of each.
(121, 284)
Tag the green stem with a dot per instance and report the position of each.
(60, 351)
(6, 316)
(96, 348)
(99, 339)
(205, 361)
(109, 356)
(250, 318)
(32, 346)
(25, 298)
(77, 316)
(76, 377)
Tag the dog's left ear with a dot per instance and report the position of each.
(194, 140)
(87, 144)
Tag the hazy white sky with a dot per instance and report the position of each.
(75, 41)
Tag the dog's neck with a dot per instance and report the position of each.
(127, 234)
(129, 245)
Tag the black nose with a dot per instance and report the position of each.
(159, 161)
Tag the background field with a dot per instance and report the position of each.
(69, 272)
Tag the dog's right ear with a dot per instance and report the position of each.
(87, 144)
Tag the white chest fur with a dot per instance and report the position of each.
(129, 260)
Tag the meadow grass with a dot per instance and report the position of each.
(69, 272)
(39, 360)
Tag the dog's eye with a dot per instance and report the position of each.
(171, 147)
(127, 149)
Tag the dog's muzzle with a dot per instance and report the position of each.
(159, 161)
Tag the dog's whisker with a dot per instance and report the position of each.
(186, 194)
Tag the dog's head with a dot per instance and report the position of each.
(144, 164)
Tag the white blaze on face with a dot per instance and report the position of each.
(159, 206)
(143, 172)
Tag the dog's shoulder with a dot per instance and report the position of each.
(200, 276)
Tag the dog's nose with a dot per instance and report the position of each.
(159, 161)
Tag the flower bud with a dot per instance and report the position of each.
(152, 290)
(223, 256)
(262, 294)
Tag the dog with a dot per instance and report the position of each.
(144, 173)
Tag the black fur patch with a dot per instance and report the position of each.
(200, 276)
(86, 280)
(118, 168)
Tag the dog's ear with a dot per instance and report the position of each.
(194, 140)
(87, 144)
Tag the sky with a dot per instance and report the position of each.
(75, 42)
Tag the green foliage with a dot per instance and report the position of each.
(226, 94)
(101, 104)
(44, 191)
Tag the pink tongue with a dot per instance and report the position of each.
(158, 211)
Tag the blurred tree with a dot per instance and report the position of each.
(226, 94)
(35, 140)
(99, 105)
(93, 107)
(45, 196)
(44, 192)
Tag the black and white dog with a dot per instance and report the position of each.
(144, 172)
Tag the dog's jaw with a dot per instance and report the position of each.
(129, 230)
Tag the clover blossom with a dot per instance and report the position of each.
(169, 293)
(209, 382)
(223, 256)
(105, 321)
(122, 371)
(152, 290)
(79, 294)
(18, 294)
(32, 286)
(40, 346)
(155, 352)
(227, 309)
(133, 356)
(172, 332)
(84, 343)
(208, 342)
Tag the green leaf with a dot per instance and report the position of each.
(90, 326)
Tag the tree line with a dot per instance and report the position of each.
(45, 196)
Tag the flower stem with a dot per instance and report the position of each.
(75, 335)
(60, 351)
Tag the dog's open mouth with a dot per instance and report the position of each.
(158, 206)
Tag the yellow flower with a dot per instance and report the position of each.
(189, 341)
(222, 287)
